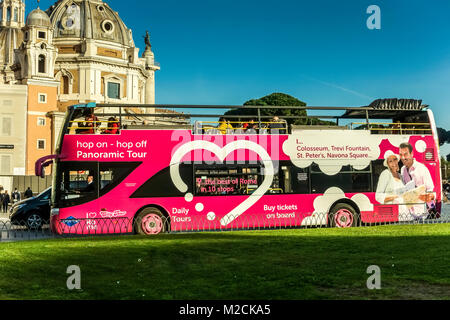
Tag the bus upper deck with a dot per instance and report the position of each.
(389, 116)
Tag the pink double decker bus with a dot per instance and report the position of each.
(147, 170)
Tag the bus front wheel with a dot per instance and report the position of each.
(343, 215)
(150, 221)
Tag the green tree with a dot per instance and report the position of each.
(444, 136)
(280, 100)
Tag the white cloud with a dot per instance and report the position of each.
(322, 205)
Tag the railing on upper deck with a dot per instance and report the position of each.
(125, 119)
(96, 126)
(245, 128)
(240, 127)
(394, 128)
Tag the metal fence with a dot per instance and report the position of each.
(153, 224)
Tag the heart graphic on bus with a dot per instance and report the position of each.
(222, 153)
(92, 215)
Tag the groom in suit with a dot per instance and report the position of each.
(415, 171)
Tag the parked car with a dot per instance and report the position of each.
(33, 213)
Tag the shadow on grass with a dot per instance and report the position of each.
(240, 265)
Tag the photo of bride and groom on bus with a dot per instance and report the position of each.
(410, 187)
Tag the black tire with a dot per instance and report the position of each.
(151, 221)
(343, 215)
(34, 221)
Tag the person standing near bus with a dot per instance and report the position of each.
(6, 201)
(28, 193)
(16, 196)
(2, 197)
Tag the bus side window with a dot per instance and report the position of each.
(106, 178)
(250, 180)
(78, 184)
(377, 168)
(281, 180)
(289, 179)
(161, 184)
(299, 180)
(348, 180)
(112, 174)
(223, 181)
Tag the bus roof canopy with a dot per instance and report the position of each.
(379, 109)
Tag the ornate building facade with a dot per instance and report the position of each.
(77, 51)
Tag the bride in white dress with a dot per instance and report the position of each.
(390, 186)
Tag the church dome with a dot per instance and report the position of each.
(38, 18)
(88, 19)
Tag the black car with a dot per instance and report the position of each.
(34, 212)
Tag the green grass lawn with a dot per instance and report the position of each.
(281, 264)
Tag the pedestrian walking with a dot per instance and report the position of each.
(2, 198)
(16, 196)
(6, 201)
(28, 193)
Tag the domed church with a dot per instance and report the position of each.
(77, 51)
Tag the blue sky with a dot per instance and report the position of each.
(227, 52)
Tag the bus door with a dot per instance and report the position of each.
(114, 204)
(78, 195)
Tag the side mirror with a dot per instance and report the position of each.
(44, 162)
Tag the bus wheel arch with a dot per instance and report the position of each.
(151, 220)
(344, 213)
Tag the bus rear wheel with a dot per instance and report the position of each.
(150, 221)
(343, 215)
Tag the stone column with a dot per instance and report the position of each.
(150, 83)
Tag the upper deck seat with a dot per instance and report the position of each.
(198, 127)
(212, 131)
